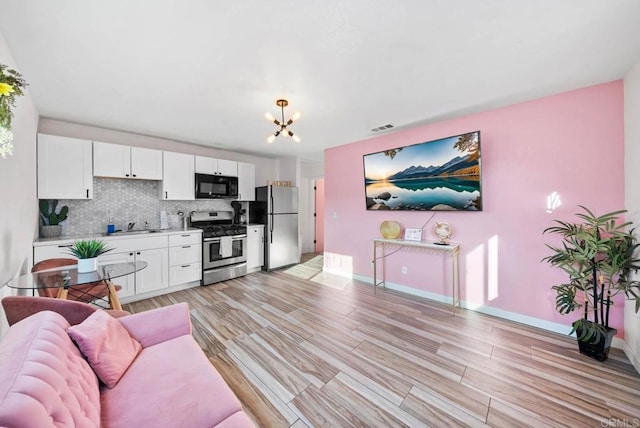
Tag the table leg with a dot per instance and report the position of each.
(455, 280)
(375, 267)
(62, 293)
(114, 302)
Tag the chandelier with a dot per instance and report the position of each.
(282, 103)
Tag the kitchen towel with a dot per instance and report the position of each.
(226, 247)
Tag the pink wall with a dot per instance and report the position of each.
(571, 143)
(319, 210)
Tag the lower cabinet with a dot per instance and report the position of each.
(185, 258)
(153, 277)
(255, 247)
(172, 259)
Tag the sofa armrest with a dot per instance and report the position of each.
(17, 308)
(158, 325)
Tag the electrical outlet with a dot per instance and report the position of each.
(404, 270)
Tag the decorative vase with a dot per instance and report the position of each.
(87, 265)
(50, 231)
(597, 348)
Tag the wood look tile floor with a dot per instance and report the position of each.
(301, 353)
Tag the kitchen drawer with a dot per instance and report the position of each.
(185, 254)
(185, 239)
(58, 251)
(185, 273)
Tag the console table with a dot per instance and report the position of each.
(453, 250)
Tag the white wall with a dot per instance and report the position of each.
(19, 206)
(632, 195)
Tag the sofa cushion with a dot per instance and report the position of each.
(172, 382)
(44, 381)
(106, 344)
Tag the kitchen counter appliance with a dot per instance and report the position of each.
(215, 186)
(277, 208)
(224, 245)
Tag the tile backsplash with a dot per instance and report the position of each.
(125, 201)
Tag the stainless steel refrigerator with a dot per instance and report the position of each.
(277, 208)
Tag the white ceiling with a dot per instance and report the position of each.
(205, 71)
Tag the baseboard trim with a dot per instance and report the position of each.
(500, 313)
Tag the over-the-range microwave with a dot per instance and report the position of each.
(216, 186)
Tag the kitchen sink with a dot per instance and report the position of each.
(132, 232)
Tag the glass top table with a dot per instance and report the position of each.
(65, 277)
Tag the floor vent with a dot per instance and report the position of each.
(382, 128)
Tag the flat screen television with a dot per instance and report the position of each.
(438, 175)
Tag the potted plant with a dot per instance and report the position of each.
(87, 252)
(51, 219)
(598, 255)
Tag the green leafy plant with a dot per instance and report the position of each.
(48, 212)
(88, 249)
(598, 255)
(11, 86)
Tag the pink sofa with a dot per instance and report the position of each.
(46, 382)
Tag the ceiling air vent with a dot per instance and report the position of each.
(382, 128)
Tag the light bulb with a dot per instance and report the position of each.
(269, 117)
(296, 138)
(296, 116)
(271, 138)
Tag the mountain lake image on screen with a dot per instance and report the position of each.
(439, 175)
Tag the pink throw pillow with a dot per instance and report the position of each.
(106, 344)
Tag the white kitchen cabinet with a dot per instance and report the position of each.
(178, 180)
(255, 247)
(128, 283)
(185, 258)
(205, 165)
(64, 168)
(246, 181)
(154, 276)
(118, 161)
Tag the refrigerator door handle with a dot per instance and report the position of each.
(271, 213)
(271, 229)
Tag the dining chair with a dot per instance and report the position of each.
(86, 293)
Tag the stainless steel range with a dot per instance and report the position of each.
(224, 245)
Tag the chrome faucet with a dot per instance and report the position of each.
(130, 226)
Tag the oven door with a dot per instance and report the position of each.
(217, 253)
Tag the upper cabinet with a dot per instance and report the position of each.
(64, 168)
(214, 166)
(117, 161)
(179, 177)
(246, 181)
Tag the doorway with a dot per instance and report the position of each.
(319, 215)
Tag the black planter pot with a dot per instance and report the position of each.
(597, 348)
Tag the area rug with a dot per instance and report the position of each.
(308, 269)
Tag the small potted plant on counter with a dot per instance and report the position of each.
(598, 256)
(87, 252)
(51, 219)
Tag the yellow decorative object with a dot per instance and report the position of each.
(5, 89)
(390, 229)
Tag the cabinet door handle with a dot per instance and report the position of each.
(65, 246)
(133, 175)
(185, 236)
(131, 254)
(138, 253)
(126, 175)
(87, 193)
(166, 195)
(187, 246)
(185, 265)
